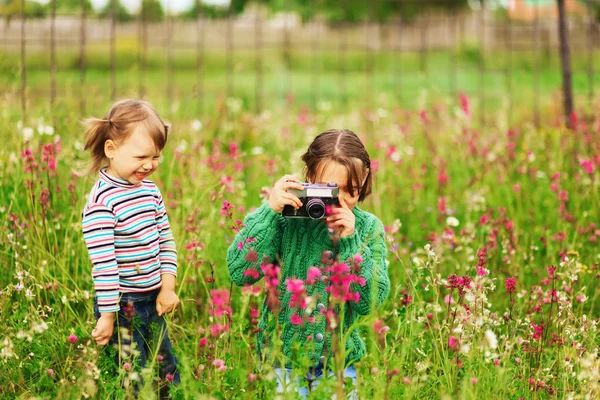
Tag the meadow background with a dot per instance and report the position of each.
(491, 213)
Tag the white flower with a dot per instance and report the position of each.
(196, 125)
(40, 328)
(257, 150)
(451, 221)
(430, 252)
(490, 336)
(27, 133)
(49, 130)
(324, 106)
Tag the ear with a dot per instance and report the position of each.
(110, 148)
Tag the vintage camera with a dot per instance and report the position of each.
(315, 198)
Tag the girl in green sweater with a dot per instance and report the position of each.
(320, 274)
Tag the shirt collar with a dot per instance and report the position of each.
(114, 181)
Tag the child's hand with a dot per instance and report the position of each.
(167, 301)
(280, 197)
(341, 219)
(104, 328)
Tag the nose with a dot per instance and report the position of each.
(148, 165)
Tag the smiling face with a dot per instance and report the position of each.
(133, 159)
(334, 172)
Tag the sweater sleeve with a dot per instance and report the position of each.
(98, 225)
(166, 243)
(262, 233)
(373, 266)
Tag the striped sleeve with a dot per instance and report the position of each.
(99, 234)
(168, 249)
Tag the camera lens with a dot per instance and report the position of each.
(315, 208)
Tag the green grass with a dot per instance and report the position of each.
(532, 84)
(503, 173)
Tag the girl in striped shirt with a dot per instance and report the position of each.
(127, 233)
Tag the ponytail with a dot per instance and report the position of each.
(97, 132)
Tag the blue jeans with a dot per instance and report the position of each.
(312, 378)
(138, 322)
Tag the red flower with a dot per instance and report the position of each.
(511, 285)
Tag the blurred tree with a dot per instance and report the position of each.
(122, 15)
(152, 11)
(337, 11)
(214, 11)
(71, 6)
(593, 8)
(12, 8)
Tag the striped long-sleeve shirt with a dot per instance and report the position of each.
(129, 239)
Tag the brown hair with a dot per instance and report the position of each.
(344, 147)
(118, 124)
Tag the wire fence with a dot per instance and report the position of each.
(267, 60)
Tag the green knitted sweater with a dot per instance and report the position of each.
(296, 244)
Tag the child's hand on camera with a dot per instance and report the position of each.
(341, 219)
(280, 197)
(104, 328)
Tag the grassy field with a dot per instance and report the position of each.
(532, 83)
(507, 201)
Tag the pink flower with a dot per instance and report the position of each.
(72, 339)
(50, 372)
(452, 342)
(442, 205)
(127, 366)
(341, 283)
(251, 378)
(217, 329)
(374, 370)
(496, 362)
(219, 299)
(448, 299)
(510, 284)
(296, 320)
(537, 330)
(203, 342)
(588, 166)
(169, 377)
(551, 271)
(218, 363)
(225, 209)
(240, 245)
(296, 287)
(563, 196)
(473, 381)
(464, 103)
(380, 329)
(233, 149)
(406, 380)
(312, 275)
(252, 273)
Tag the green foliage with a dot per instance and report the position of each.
(118, 9)
(152, 11)
(12, 9)
(72, 6)
(212, 11)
